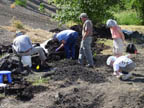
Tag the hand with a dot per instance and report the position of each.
(57, 50)
(125, 44)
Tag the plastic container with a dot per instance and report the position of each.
(8, 74)
(26, 60)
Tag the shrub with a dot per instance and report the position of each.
(21, 2)
(42, 8)
(128, 17)
(97, 10)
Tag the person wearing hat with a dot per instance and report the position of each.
(68, 39)
(118, 37)
(22, 46)
(85, 47)
(122, 64)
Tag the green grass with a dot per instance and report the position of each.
(21, 2)
(2, 95)
(2, 55)
(42, 8)
(106, 42)
(128, 17)
(133, 28)
(40, 81)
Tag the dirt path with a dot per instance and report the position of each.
(73, 86)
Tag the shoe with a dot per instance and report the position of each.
(90, 66)
(119, 75)
(114, 73)
(80, 63)
(124, 72)
(126, 77)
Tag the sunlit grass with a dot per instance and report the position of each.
(107, 42)
(2, 55)
(70, 23)
(36, 35)
(41, 81)
(138, 28)
(17, 23)
(128, 17)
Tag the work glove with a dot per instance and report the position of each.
(57, 50)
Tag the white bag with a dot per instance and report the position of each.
(26, 60)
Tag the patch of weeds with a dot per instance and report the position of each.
(2, 95)
(1, 56)
(41, 81)
(106, 42)
(94, 55)
(71, 23)
(17, 23)
(42, 8)
(21, 2)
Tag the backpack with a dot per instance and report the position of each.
(131, 49)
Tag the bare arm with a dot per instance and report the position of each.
(62, 45)
(121, 33)
(85, 34)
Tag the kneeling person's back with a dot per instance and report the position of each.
(22, 43)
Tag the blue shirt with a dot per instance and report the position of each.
(64, 35)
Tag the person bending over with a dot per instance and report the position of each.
(68, 39)
(122, 64)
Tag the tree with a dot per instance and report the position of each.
(138, 5)
(97, 10)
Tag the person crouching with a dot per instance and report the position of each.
(122, 64)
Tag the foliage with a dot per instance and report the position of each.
(21, 2)
(128, 17)
(50, 2)
(41, 81)
(97, 10)
(139, 6)
(42, 8)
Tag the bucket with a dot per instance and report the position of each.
(26, 60)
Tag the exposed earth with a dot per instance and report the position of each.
(67, 84)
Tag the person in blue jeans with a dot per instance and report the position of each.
(68, 40)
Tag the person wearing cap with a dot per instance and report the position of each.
(22, 46)
(122, 64)
(85, 47)
(68, 39)
(118, 37)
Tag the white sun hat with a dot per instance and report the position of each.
(111, 23)
(110, 59)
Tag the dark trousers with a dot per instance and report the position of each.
(70, 46)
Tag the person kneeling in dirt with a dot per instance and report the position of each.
(121, 65)
(68, 40)
(22, 46)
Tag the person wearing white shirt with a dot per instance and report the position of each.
(121, 64)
